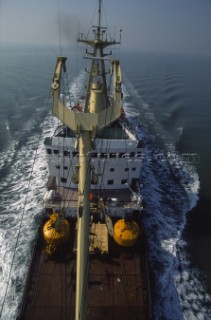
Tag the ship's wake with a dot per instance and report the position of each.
(170, 190)
(23, 179)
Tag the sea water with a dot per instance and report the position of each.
(172, 95)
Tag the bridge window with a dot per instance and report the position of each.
(75, 154)
(103, 155)
(66, 153)
(94, 154)
(49, 151)
(109, 182)
(121, 154)
(63, 180)
(112, 155)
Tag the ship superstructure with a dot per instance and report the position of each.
(115, 164)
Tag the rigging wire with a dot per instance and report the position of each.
(109, 33)
(127, 157)
(96, 7)
(124, 280)
(87, 261)
(61, 172)
(64, 311)
(38, 287)
(65, 145)
(106, 149)
(23, 210)
(60, 29)
(68, 147)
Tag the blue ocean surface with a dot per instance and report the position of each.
(172, 95)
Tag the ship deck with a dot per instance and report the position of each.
(118, 285)
(64, 197)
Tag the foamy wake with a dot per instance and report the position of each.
(170, 191)
(21, 191)
(21, 198)
(76, 87)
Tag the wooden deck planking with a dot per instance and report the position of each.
(116, 287)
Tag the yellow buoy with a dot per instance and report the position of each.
(56, 233)
(126, 233)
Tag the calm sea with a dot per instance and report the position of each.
(172, 95)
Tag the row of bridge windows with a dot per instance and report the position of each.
(109, 182)
(111, 169)
(102, 155)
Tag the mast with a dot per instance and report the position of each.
(82, 267)
(97, 114)
(99, 18)
(98, 44)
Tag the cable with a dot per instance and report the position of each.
(23, 212)
(60, 31)
(92, 20)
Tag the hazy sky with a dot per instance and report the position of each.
(149, 25)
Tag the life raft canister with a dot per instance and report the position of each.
(126, 233)
(54, 237)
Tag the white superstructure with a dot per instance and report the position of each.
(116, 162)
